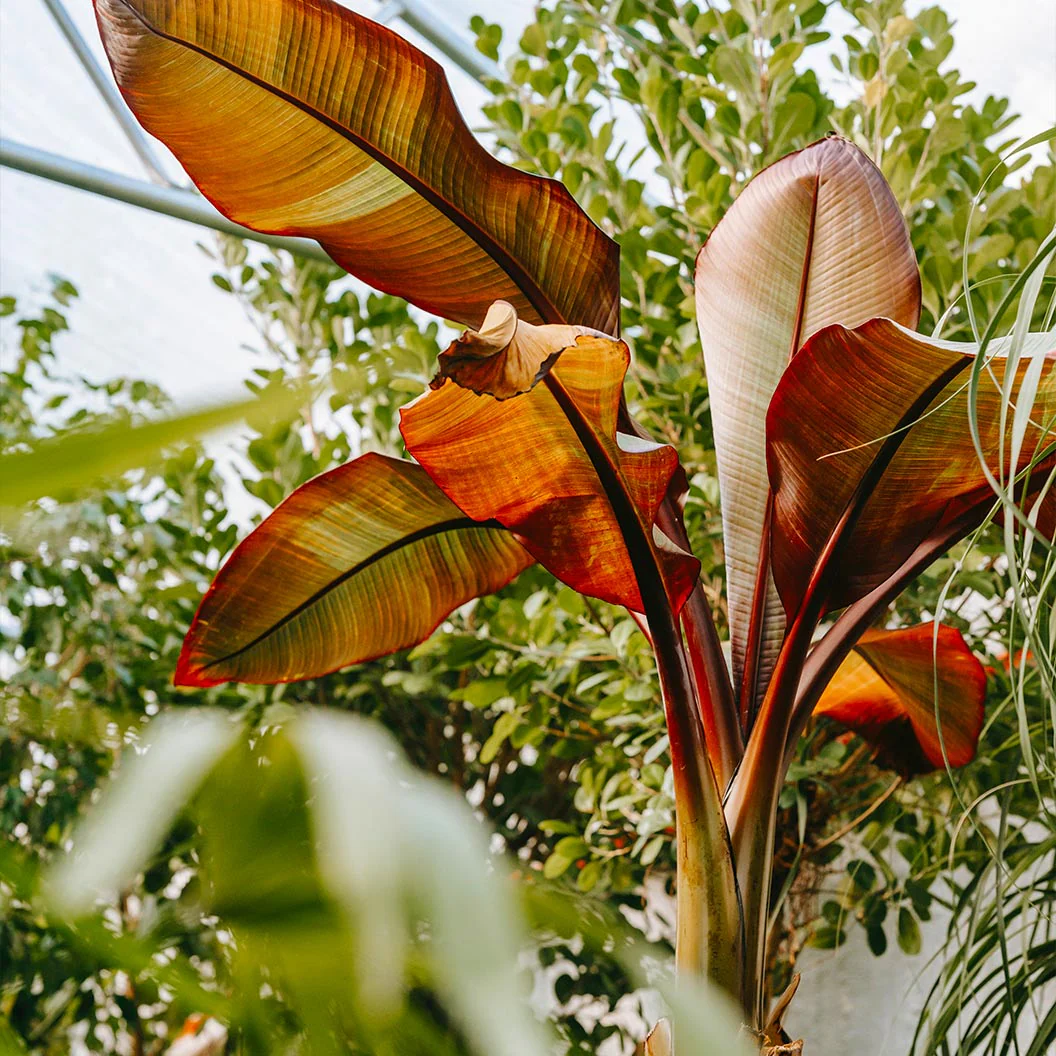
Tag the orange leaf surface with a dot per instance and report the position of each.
(357, 563)
(842, 395)
(816, 238)
(550, 466)
(300, 117)
(887, 689)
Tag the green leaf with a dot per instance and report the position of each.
(877, 940)
(908, 932)
(157, 778)
(62, 466)
(556, 865)
(589, 876)
(784, 57)
(572, 847)
(652, 849)
(482, 693)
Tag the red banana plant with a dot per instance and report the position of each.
(845, 457)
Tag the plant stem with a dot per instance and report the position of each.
(708, 925)
(715, 699)
(708, 929)
(718, 711)
(752, 805)
(752, 810)
(711, 678)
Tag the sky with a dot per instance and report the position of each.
(147, 305)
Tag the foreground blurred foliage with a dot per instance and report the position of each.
(559, 744)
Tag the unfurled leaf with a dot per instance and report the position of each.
(894, 686)
(815, 239)
(841, 397)
(357, 563)
(301, 117)
(550, 466)
(504, 358)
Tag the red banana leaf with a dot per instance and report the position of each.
(357, 563)
(843, 394)
(817, 238)
(550, 466)
(890, 688)
(1045, 515)
(300, 117)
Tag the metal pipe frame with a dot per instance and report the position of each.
(105, 86)
(169, 201)
(447, 41)
(163, 195)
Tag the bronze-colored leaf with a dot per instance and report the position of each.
(894, 686)
(550, 466)
(359, 562)
(842, 396)
(507, 355)
(816, 238)
(301, 117)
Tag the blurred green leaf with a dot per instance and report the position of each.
(157, 778)
(61, 466)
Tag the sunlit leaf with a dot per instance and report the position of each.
(359, 562)
(305, 118)
(842, 395)
(815, 239)
(894, 684)
(550, 466)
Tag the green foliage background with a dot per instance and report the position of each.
(541, 707)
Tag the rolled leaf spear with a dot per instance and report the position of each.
(301, 117)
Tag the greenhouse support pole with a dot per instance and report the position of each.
(169, 201)
(108, 90)
(446, 40)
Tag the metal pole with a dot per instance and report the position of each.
(108, 90)
(454, 45)
(388, 13)
(169, 201)
(165, 196)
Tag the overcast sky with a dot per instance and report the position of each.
(148, 307)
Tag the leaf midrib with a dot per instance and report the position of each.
(520, 277)
(635, 539)
(441, 527)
